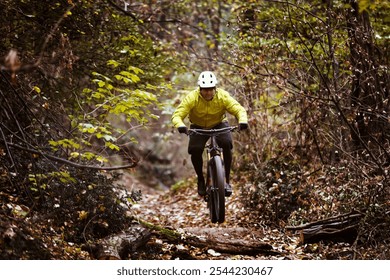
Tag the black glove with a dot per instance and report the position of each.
(182, 129)
(243, 126)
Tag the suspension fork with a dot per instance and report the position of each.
(213, 148)
(212, 151)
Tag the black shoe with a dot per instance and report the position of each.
(201, 187)
(228, 190)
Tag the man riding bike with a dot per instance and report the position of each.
(206, 107)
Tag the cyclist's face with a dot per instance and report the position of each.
(207, 93)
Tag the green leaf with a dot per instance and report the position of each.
(53, 143)
(74, 155)
(101, 84)
(37, 89)
(98, 95)
(109, 138)
(112, 146)
(134, 78)
(88, 155)
(113, 63)
(136, 70)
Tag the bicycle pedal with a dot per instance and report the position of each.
(228, 190)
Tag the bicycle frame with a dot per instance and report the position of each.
(212, 147)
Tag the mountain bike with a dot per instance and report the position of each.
(215, 178)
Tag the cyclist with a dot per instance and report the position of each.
(206, 107)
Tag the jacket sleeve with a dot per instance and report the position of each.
(235, 108)
(181, 112)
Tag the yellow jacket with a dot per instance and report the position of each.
(207, 114)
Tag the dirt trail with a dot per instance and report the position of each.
(185, 212)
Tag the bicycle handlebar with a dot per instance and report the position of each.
(211, 132)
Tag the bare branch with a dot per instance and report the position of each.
(126, 12)
(68, 162)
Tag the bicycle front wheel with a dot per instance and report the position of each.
(217, 192)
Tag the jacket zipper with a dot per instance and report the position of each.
(207, 113)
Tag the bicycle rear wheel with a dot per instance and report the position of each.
(217, 190)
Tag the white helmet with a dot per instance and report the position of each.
(207, 79)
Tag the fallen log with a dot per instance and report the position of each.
(236, 247)
(119, 246)
(341, 228)
(225, 240)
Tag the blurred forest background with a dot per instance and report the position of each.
(87, 89)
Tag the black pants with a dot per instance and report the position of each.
(197, 144)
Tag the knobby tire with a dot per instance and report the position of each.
(217, 193)
(210, 201)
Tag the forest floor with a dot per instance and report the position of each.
(244, 235)
(182, 210)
